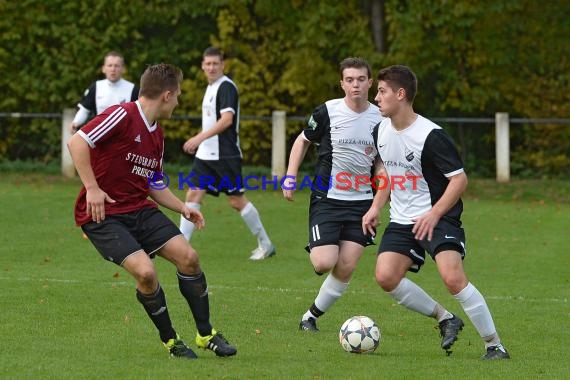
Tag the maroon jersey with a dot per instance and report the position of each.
(125, 152)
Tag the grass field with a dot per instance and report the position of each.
(67, 314)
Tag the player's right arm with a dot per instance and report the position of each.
(95, 198)
(86, 106)
(313, 132)
(298, 152)
(370, 220)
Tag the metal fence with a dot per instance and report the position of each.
(279, 120)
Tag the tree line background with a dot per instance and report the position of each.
(472, 59)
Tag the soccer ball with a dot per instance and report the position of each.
(359, 335)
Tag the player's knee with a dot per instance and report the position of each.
(321, 268)
(237, 202)
(387, 281)
(146, 279)
(322, 265)
(189, 262)
(454, 282)
(343, 271)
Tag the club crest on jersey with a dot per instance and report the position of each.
(409, 155)
(409, 172)
(138, 138)
(312, 123)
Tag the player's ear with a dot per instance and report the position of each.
(401, 94)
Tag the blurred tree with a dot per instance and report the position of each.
(478, 58)
(472, 59)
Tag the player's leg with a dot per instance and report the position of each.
(399, 253)
(323, 248)
(250, 216)
(194, 287)
(450, 267)
(335, 247)
(113, 238)
(323, 258)
(193, 200)
(197, 184)
(230, 174)
(341, 261)
(151, 295)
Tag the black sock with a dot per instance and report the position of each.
(315, 311)
(155, 306)
(195, 289)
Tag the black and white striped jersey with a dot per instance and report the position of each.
(103, 93)
(220, 96)
(346, 150)
(419, 160)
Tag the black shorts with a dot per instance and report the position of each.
(399, 238)
(218, 176)
(331, 221)
(119, 236)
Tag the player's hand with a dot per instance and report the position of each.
(96, 199)
(193, 215)
(73, 128)
(369, 222)
(289, 186)
(191, 145)
(424, 225)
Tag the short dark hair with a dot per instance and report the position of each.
(400, 76)
(356, 63)
(213, 51)
(113, 53)
(159, 78)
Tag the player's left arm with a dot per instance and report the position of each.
(425, 224)
(224, 122)
(446, 158)
(166, 198)
(229, 103)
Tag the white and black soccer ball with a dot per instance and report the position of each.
(359, 334)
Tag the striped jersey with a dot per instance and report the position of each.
(220, 96)
(419, 160)
(125, 151)
(346, 150)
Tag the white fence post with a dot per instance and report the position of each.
(502, 148)
(278, 144)
(67, 167)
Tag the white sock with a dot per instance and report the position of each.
(251, 218)
(410, 295)
(478, 312)
(308, 315)
(441, 314)
(330, 291)
(186, 226)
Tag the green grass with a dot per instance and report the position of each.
(66, 313)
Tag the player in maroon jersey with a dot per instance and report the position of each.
(118, 156)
